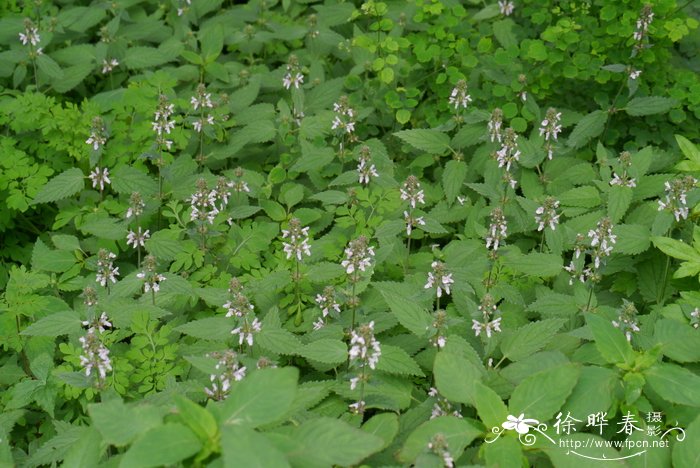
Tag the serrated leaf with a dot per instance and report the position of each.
(383, 425)
(428, 140)
(61, 323)
(62, 186)
(610, 341)
(676, 249)
(619, 199)
(127, 179)
(242, 446)
(48, 66)
(210, 328)
(674, 383)
(452, 178)
(407, 312)
(542, 394)
(458, 434)
(538, 264)
(649, 105)
(632, 239)
(395, 360)
(455, 378)
(325, 350)
(686, 454)
(586, 197)
(530, 338)
(45, 259)
(144, 57)
(587, 128)
(162, 445)
(680, 341)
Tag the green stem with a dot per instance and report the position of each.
(660, 297)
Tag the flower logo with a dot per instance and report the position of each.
(519, 424)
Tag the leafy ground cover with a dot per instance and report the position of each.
(325, 233)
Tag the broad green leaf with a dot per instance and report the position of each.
(619, 199)
(680, 341)
(72, 77)
(530, 338)
(424, 139)
(649, 105)
(165, 245)
(383, 425)
(452, 178)
(62, 186)
(585, 197)
(210, 328)
(455, 378)
(212, 41)
(198, 419)
(313, 157)
(120, 424)
(538, 264)
(591, 449)
(505, 451)
(45, 259)
(144, 57)
(691, 152)
(327, 442)
(263, 397)
(489, 406)
(542, 394)
(61, 323)
(610, 341)
(593, 392)
(632, 239)
(278, 340)
(65, 242)
(103, 226)
(128, 179)
(686, 453)
(49, 67)
(395, 360)
(246, 447)
(407, 312)
(163, 445)
(674, 383)
(676, 249)
(86, 452)
(326, 350)
(587, 128)
(458, 433)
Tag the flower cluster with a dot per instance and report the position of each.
(109, 65)
(136, 206)
(239, 185)
(98, 135)
(412, 221)
(601, 241)
(439, 278)
(297, 243)
(459, 97)
(238, 304)
(100, 177)
(293, 77)
(106, 271)
(358, 255)
(100, 323)
(550, 128)
(151, 279)
(439, 327)
(203, 203)
(30, 36)
(411, 191)
(498, 229)
(227, 370)
(546, 215)
(634, 74)
(246, 330)
(676, 192)
(509, 153)
(624, 180)
(162, 124)
(494, 125)
(201, 101)
(364, 352)
(488, 309)
(506, 7)
(442, 407)
(695, 318)
(438, 445)
(95, 354)
(365, 168)
(137, 238)
(344, 119)
(326, 302)
(626, 319)
(643, 22)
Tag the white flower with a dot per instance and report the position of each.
(634, 74)
(358, 255)
(439, 277)
(298, 238)
(95, 355)
(290, 80)
(459, 97)
(411, 192)
(498, 230)
(364, 347)
(506, 7)
(519, 424)
(246, 331)
(488, 327)
(100, 177)
(137, 238)
(109, 65)
(30, 36)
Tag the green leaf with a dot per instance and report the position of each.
(585, 197)
(328, 442)
(62, 186)
(619, 199)
(593, 392)
(505, 451)
(686, 453)
(424, 139)
(313, 157)
(395, 360)
(407, 312)
(212, 41)
(244, 447)
(610, 341)
(632, 239)
(680, 341)
(674, 383)
(676, 249)
(120, 424)
(165, 245)
(649, 105)
(163, 445)
(458, 433)
(49, 67)
(689, 150)
(383, 425)
(261, 398)
(530, 338)
(102, 226)
(455, 378)
(61, 323)
(144, 57)
(537, 264)
(587, 128)
(278, 340)
(489, 406)
(326, 350)
(86, 452)
(65, 242)
(542, 394)
(72, 77)
(210, 328)
(198, 419)
(452, 178)
(45, 259)
(127, 179)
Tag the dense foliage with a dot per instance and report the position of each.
(316, 233)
